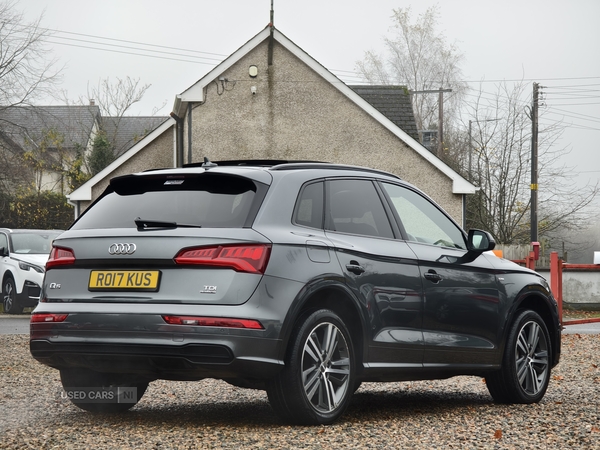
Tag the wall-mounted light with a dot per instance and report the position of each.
(253, 71)
(253, 90)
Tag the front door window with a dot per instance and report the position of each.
(422, 221)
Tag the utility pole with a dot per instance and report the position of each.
(440, 146)
(534, 164)
(470, 152)
(440, 91)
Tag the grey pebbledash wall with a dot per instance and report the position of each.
(297, 115)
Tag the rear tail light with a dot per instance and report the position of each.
(60, 256)
(48, 318)
(213, 322)
(251, 258)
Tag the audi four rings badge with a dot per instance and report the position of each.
(121, 249)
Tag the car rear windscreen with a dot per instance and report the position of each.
(216, 201)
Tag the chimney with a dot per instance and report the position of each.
(92, 102)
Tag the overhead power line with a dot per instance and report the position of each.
(578, 104)
(530, 79)
(136, 42)
(134, 53)
(134, 48)
(577, 115)
(138, 48)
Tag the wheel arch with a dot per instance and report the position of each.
(336, 297)
(543, 304)
(6, 275)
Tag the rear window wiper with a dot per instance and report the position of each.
(144, 224)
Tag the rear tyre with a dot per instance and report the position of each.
(9, 297)
(318, 380)
(526, 365)
(101, 392)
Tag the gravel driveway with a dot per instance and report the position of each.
(456, 413)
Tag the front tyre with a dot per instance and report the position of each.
(102, 392)
(318, 380)
(9, 297)
(526, 365)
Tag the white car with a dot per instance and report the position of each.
(23, 256)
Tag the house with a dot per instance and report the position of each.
(125, 131)
(271, 100)
(52, 135)
(56, 135)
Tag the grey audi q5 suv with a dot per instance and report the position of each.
(304, 279)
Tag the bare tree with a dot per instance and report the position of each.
(500, 164)
(418, 56)
(496, 154)
(114, 100)
(26, 73)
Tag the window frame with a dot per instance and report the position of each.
(8, 242)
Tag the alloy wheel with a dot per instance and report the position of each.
(532, 358)
(8, 293)
(325, 367)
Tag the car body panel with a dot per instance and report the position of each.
(391, 291)
(154, 250)
(462, 309)
(25, 261)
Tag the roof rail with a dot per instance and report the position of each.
(281, 164)
(250, 162)
(329, 166)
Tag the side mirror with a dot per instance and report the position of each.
(3, 251)
(480, 241)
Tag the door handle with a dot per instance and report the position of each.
(355, 268)
(433, 276)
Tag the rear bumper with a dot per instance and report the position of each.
(192, 361)
(144, 344)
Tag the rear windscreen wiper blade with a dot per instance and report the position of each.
(143, 224)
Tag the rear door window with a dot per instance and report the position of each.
(354, 207)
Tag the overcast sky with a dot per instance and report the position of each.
(555, 43)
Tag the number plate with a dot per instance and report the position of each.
(135, 280)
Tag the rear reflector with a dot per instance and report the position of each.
(48, 317)
(251, 258)
(213, 322)
(60, 256)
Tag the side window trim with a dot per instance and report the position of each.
(4, 241)
(395, 222)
